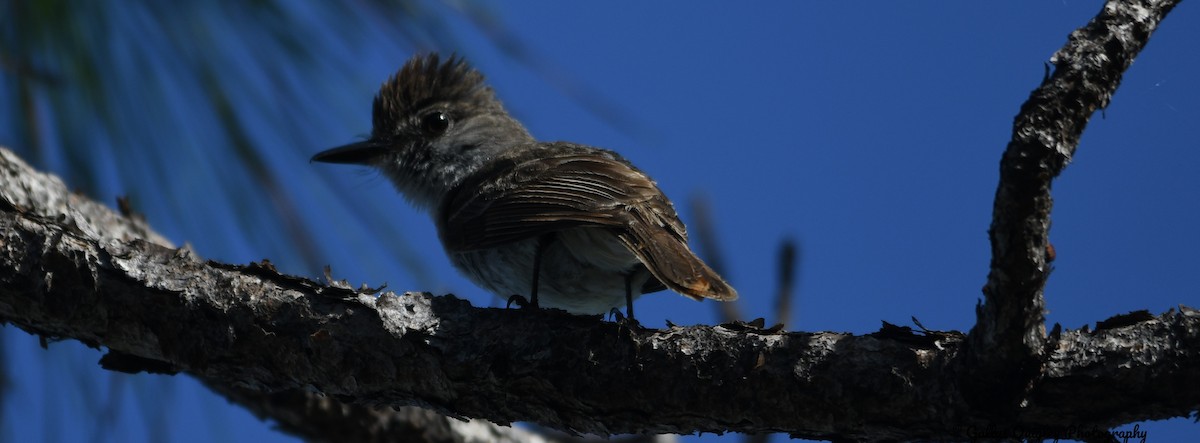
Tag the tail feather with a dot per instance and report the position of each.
(670, 260)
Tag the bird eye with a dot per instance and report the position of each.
(435, 123)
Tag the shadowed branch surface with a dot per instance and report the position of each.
(250, 328)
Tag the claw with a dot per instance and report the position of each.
(616, 315)
(520, 300)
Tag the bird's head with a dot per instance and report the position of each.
(433, 124)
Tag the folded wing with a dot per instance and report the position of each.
(562, 186)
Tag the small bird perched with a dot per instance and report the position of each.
(573, 227)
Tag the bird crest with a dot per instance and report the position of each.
(425, 80)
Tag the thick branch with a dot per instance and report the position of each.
(1005, 348)
(251, 329)
(313, 416)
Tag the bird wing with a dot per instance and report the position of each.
(561, 186)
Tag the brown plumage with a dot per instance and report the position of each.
(560, 186)
(577, 226)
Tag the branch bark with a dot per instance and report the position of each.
(250, 328)
(71, 268)
(44, 200)
(1006, 347)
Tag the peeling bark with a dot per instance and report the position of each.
(1006, 346)
(252, 329)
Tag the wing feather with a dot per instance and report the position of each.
(561, 186)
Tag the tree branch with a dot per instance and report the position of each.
(319, 418)
(1005, 347)
(250, 328)
(44, 199)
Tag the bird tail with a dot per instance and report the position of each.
(669, 259)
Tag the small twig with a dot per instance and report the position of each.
(788, 264)
(705, 236)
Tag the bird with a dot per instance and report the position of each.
(545, 224)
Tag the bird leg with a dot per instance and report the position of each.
(629, 295)
(628, 319)
(543, 242)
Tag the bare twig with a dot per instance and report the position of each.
(789, 259)
(704, 234)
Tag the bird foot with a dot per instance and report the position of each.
(616, 315)
(520, 301)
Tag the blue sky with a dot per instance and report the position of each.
(870, 133)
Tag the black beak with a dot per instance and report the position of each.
(359, 153)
